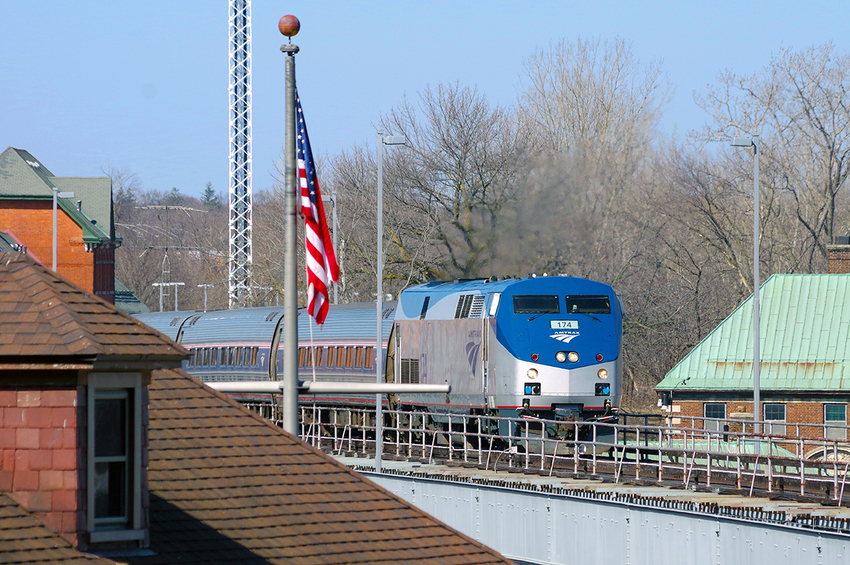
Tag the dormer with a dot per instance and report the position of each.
(74, 373)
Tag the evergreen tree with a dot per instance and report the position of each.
(174, 197)
(210, 198)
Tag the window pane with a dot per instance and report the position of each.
(331, 356)
(110, 494)
(110, 427)
(370, 355)
(774, 412)
(715, 410)
(358, 357)
(536, 304)
(835, 413)
(319, 351)
(585, 304)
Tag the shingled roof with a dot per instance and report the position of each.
(225, 486)
(23, 539)
(44, 315)
(228, 486)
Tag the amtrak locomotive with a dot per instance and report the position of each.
(545, 347)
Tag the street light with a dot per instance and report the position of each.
(754, 143)
(56, 196)
(161, 285)
(205, 286)
(379, 427)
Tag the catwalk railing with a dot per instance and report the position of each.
(622, 451)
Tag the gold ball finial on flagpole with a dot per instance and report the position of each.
(289, 26)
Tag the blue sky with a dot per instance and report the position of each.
(143, 85)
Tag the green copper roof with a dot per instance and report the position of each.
(804, 337)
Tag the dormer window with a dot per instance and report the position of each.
(114, 454)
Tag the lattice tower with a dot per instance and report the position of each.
(241, 213)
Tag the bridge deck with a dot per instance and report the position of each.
(545, 519)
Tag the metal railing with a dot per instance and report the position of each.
(625, 451)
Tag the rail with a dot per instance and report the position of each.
(690, 456)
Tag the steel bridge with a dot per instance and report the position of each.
(597, 492)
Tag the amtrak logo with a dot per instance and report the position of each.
(564, 338)
(472, 355)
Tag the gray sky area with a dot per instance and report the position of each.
(143, 85)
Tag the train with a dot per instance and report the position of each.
(547, 347)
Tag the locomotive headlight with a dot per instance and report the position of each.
(532, 373)
(602, 373)
(572, 356)
(560, 356)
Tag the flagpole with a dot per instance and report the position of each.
(288, 27)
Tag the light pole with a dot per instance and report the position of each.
(379, 416)
(754, 143)
(56, 196)
(205, 286)
(175, 285)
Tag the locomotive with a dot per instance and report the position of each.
(534, 347)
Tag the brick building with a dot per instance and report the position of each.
(804, 359)
(105, 449)
(86, 238)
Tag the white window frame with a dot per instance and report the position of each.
(835, 429)
(775, 427)
(713, 424)
(132, 384)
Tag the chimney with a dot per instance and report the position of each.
(838, 255)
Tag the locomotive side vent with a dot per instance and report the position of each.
(477, 306)
(410, 371)
(469, 306)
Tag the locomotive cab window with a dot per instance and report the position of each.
(585, 304)
(536, 304)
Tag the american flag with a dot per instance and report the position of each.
(321, 262)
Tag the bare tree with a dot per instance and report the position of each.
(593, 99)
(800, 107)
(459, 173)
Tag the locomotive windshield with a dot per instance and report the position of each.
(536, 304)
(585, 304)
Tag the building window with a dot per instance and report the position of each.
(774, 419)
(112, 411)
(717, 412)
(114, 458)
(835, 418)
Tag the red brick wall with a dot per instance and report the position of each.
(796, 412)
(837, 259)
(40, 455)
(32, 222)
